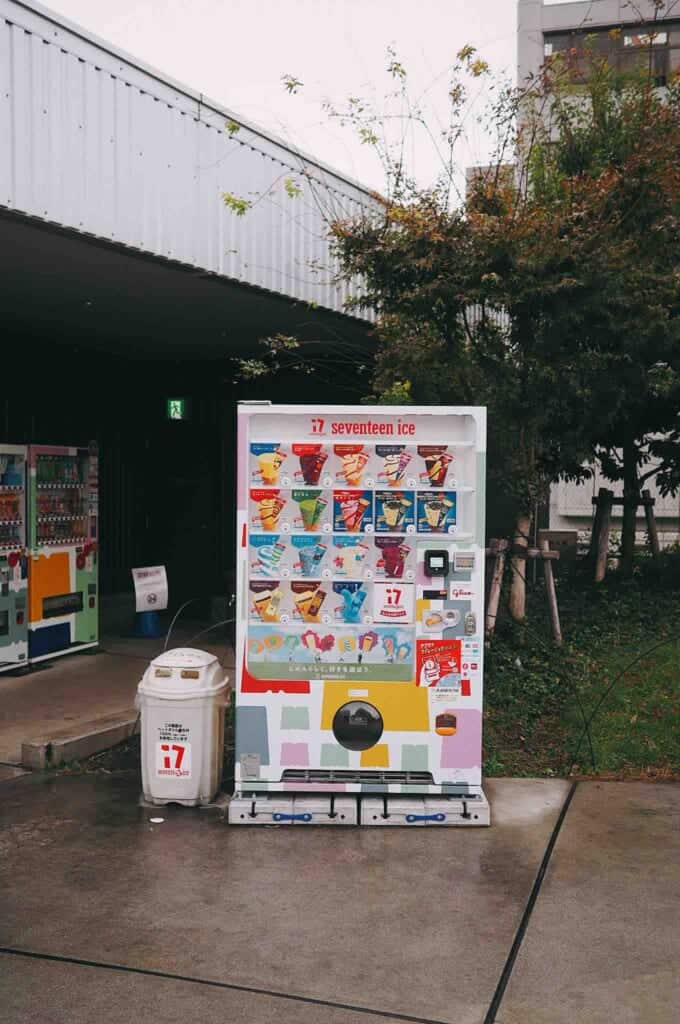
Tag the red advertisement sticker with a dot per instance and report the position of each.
(436, 659)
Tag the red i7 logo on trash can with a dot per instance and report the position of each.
(173, 759)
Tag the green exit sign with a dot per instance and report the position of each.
(176, 408)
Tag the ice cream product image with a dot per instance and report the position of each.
(347, 644)
(349, 607)
(310, 556)
(394, 511)
(367, 641)
(266, 507)
(351, 462)
(266, 461)
(436, 512)
(308, 597)
(268, 556)
(353, 511)
(395, 559)
(265, 599)
(312, 460)
(395, 465)
(437, 460)
(350, 558)
(312, 506)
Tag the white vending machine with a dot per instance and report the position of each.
(360, 596)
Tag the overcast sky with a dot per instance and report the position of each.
(235, 52)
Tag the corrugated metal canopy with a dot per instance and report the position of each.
(95, 142)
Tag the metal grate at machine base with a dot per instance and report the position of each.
(372, 775)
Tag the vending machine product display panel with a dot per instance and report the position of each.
(359, 661)
(13, 560)
(63, 517)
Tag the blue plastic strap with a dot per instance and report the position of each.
(410, 818)
(278, 816)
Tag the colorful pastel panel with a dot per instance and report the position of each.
(464, 749)
(414, 758)
(251, 733)
(294, 718)
(376, 757)
(334, 756)
(296, 754)
(403, 706)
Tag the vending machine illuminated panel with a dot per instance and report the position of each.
(64, 535)
(360, 610)
(13, 563)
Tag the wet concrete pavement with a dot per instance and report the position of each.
(357, 923)
(604, 940)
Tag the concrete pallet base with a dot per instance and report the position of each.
(331, 809)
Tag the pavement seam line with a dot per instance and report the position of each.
(168, 976)
(509, 965)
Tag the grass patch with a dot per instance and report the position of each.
(537, 697)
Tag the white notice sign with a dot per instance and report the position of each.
(151, 588)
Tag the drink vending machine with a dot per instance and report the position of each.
(49, 602)
(360, 593)
(13, 561)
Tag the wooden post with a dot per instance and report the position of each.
(518, 583)
(606, 498)
(597, 526)
(648, 502)
(552, 594)
(501, 547)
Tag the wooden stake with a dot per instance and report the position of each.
(552, 593)
(518, 583)
(597, 526)
(648, 502)
(606, 499)
(495, 588)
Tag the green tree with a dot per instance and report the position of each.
(553, 296)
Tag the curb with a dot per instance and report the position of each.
(76, 743)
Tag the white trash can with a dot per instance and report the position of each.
(181, 698)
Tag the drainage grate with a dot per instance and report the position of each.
(318, 775)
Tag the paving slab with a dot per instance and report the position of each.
(76, 689)
(45, 992)
(603, 943)
(411, 921)
(8, 772)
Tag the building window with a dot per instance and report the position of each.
(647, 48)
(646, 39)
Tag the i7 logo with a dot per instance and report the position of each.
(318, 425)
(173, 759)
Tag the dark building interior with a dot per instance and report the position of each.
(96, 339)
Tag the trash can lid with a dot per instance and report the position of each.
(184, 657)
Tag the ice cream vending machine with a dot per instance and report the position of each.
(63, 534)
(360, 592)
(13, 560)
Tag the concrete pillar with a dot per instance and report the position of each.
(529, 38)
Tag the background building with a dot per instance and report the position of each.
(548, 28)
